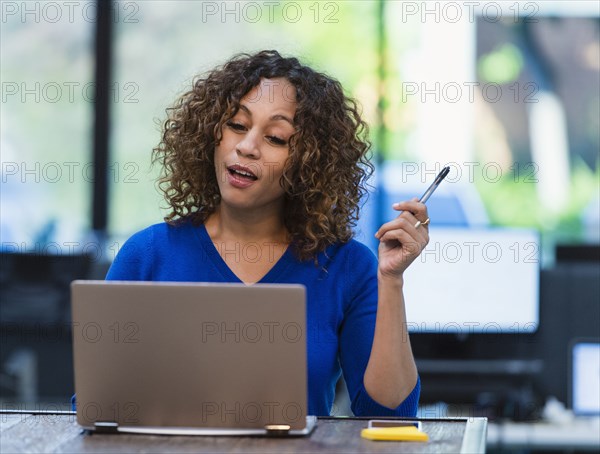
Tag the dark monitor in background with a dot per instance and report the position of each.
(34, 287)
(578, 253)
(36, 360)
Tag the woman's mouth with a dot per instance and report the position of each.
(242, 172)
(240, 176)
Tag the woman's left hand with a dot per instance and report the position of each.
(400, 241)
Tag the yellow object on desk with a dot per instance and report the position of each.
(394, 434)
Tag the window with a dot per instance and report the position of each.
(47, 106)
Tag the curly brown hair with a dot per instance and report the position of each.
(324, 176)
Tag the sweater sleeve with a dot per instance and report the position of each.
(134, 259)
(356, 336)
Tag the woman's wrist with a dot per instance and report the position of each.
(390, 280)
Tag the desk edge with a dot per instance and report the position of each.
(474, 439)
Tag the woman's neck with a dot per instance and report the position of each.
(227, 224)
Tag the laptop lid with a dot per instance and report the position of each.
(585, 377)
(189, 355)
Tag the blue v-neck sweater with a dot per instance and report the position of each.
(341, 298)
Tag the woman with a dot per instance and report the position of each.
(264, 166)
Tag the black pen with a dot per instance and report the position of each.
(430, 190)
(435, 184)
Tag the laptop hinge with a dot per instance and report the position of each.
(277, 430)
(107, 427)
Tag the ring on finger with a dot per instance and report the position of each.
(419, 223)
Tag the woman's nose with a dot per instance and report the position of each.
(248, 146)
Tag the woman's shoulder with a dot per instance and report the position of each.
(160, 234)
(136, 258)
(165, 229)
(351, 257)
(354, 250)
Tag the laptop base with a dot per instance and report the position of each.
(114, 428)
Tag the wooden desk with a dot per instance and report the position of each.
(59, 432)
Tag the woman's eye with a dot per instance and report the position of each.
(276, 140)
(236, 126)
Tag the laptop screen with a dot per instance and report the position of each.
(586, 378)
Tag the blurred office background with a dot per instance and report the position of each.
(506, 93)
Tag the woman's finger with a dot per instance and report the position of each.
(411, 246)
(413, 206)
(417, 235)
(401, 222)
(406, 220)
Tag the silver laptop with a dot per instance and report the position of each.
(190, 358)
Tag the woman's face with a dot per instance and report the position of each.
(250, 158)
